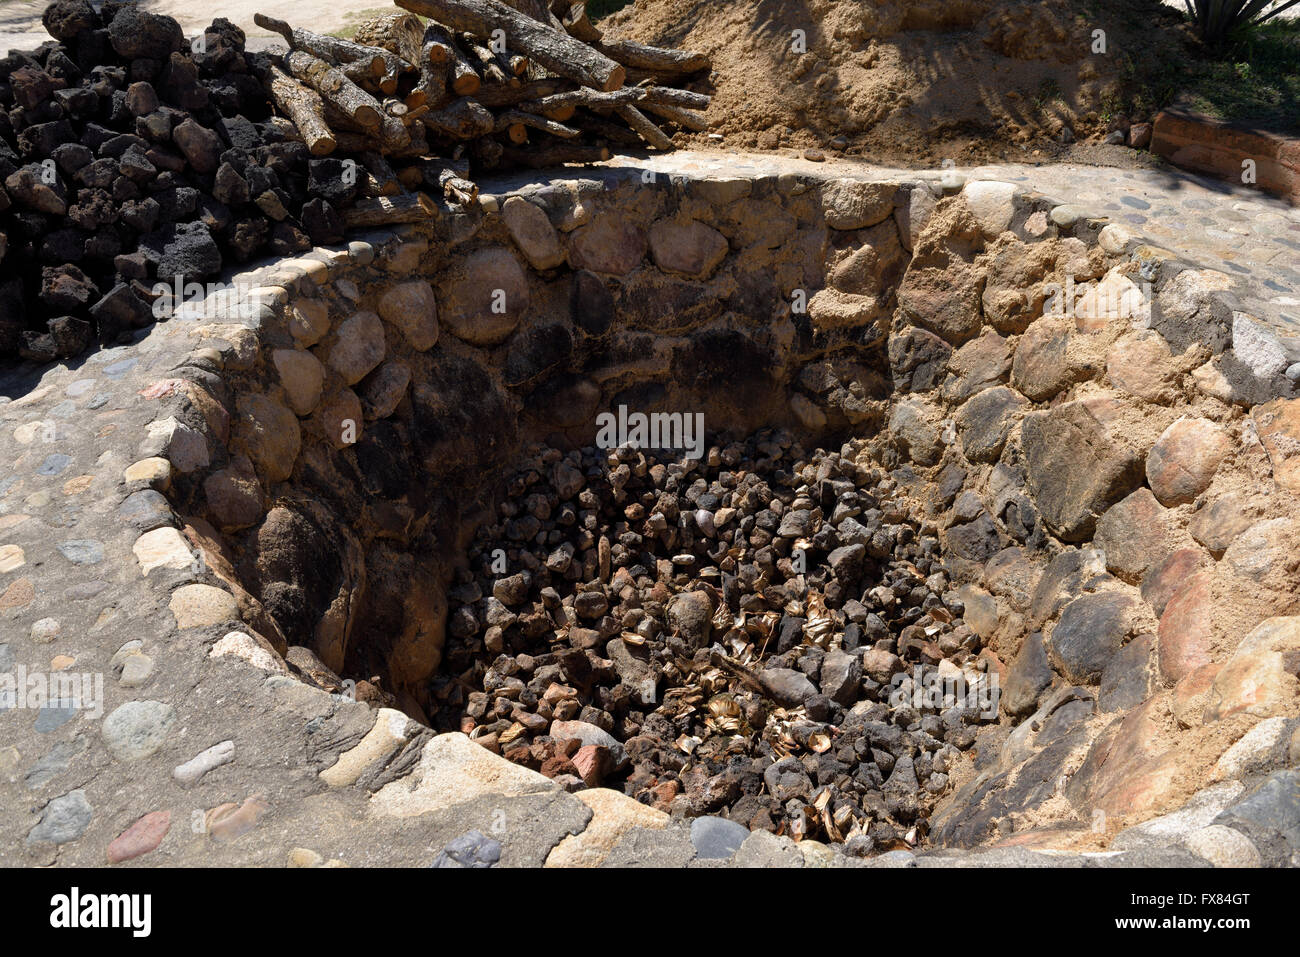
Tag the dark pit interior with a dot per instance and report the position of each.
(719, 635)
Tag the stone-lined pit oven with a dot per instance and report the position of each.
(1085, 456)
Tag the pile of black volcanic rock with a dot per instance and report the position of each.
(725, 635)
(128, 158)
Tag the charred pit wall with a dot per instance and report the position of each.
(463, 342)
(1105, 446)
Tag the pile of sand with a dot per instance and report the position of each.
(908, 80)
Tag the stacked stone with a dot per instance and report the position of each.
(1093, 418)
(737, 635)
(1116, 536)
(130, 156)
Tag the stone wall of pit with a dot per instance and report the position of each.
(1114, 483)
(375, 413)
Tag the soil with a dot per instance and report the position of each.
(969, 81)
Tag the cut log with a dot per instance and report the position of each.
(658, 61)
(393, 134)
(285, 127)
(360, 73)
(388, 137)
(539, 10)
(464, 119)
(579, 25)
(489, 66)
(325, 47)
(686, 119)
(591, 99)
(518, 117)
(456, 189)
(407, 115)
(462, 74)
(335, 88)
(642, 126)
(540, 157)
(388, 210)
(497, 97)
(672, 96)
(558, 52)
(398, 109)
(435, 51)
(432, 88)
(560, 113)
(304, 107)
(381, 172)
(399, 33)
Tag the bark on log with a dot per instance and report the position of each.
(579, 25)
(558, 52)
(378, 167)
(325, 47)
(539, 10)
(560, 113)
(497, 97)
(464, 119)
(456, 189)
(659, 61)
(360, 73)
(686, 119)
(285, 127)
(387, 210)
(335, 88)
(305, 108)
(464, 78)
(393, 134)
(399, 33)
(489, 67)
(513, 117)
(673, 96)
(642, 126)
(591, 99)
(432, 88)
(389, 136)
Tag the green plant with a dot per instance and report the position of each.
(1218, 20)
(1253, 79)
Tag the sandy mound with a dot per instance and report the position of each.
(923, 80)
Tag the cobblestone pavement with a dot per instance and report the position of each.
(1235, 229)
(186, 734)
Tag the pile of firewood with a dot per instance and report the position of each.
(483, 84)
(131, 156)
